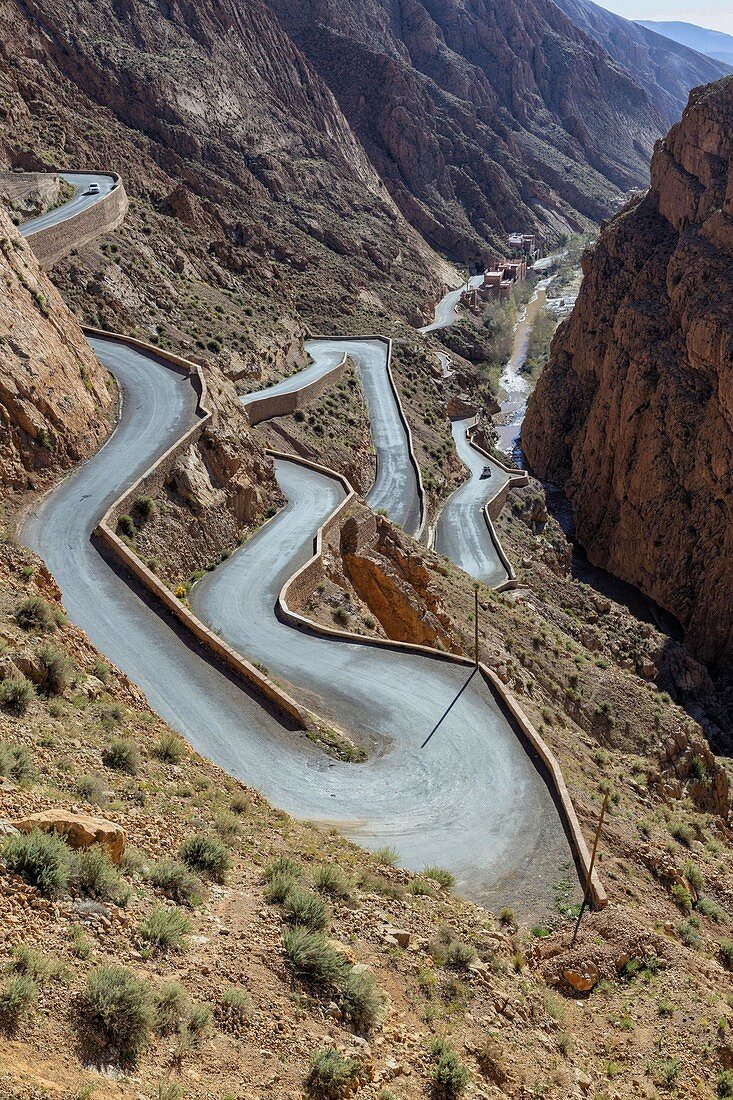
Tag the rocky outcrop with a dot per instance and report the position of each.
(634, 412)
(79, 830)
(54, 395)
(481, 116)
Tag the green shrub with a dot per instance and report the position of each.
(57, 670)
(362, 1000)
(451, 952)
(331, 1074)
(725, 1084)
(283, 866)
(726, 953)
(43, 859)
(711, 910)
(388, 857)
(16, 762)
(176, 881)
(170, 748)
(681, 898)
(306, 909)
(93, 873)
(682, 833)
(165, 928)
(240, 803)
(687, 930)
(170, 1007)
(226, 825)
(122, 755)
(39, 968)
(693, 875)
(235, 1005)
(440, 875)
(330, 879)
(92, 788)
(80, 945)
(35, 614)
(117, 1009)
(207, 854)
(450, 1076)
(312, 957)
(18, 998)
(126, 526)
(198, 1023)
(16, 693)
(144, 507)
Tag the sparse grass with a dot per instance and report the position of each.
(311, 957)
(176, 881)
(16, 762)
(40, 968)
(279, 886)
(443, 877)
(711, 910)
(122, 755)
(42, 859)
(362, 1000)
(240, 803)
(206, 854)
(331, 1074)
(170, 1007)
(283, 866)
(18, 998)
(57, 669)
(169, 748)
(117, 1009)
(725, 948)
(35, 614)
(234, 1007)
(388, 857)
(80, 944)
(93, 873)
(92, 788)
(303, 908)
(165, 928)
(227, 825)
(328, 878)
(16, 693)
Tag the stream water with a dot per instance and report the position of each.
(514, 387)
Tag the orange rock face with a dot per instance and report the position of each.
(79, 830)
(54, 395)
(634, 412)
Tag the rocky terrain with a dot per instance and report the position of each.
(632, 415)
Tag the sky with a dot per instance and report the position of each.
(714, 14)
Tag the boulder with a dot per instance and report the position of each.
(583, 978)
(79, 830)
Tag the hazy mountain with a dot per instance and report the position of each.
(715, 44)
(666, 69)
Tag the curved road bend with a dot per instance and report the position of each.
(395, 487)
(456, 786)
(80, 182)
(461, 533)
(445, 310)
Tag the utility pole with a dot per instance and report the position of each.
(475, 624)
(586, 896)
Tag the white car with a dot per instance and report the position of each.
(93, 189)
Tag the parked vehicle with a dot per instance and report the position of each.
(486, 472)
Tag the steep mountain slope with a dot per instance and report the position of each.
(634, 412)
(666, 67)
(715, 44)
(481, 116)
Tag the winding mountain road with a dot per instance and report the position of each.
(448, 781)
(80, 181)
(445, 310)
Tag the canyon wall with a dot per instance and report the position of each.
(633, 414)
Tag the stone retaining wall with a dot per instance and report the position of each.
(55, 241)
(301, 585)
(119, 550)
(21, 186)
(283, 404)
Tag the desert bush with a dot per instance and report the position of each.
(682, 833)
(440, 875)
(16, 693)
(279, 886)
(450, 1076)
(711, 910)
(170, 748)
(283, 866)
(144, 507)
(57, 669)
(226, 825)
(312, 957)
(117, 1009)
(725, 1084)
(18, 998)
(176, 881)
(451, 952)
(16, 762)
(681, 898)
(94, 874)
(240, 803)
(170, 1007)
(122, 755)
(725, 948)
(207, 854)
(126, 526)
(39, 968)
(693, 874)
(92, 788)
(165, 929)
(303, 908)
(80, 943)
(688, 932)
(330, 879)
(388, 857)
(331, 1074)
(42, 859)
(362, 1000)
(35, 614)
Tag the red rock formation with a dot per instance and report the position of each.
(634, 412)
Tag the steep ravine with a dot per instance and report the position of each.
(633, 415)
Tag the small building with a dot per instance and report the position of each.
(525, 244)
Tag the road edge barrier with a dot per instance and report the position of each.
(53, 242)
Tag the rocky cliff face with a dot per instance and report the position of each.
(481, 115)
(634, 412)
(54, 396)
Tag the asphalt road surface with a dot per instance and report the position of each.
(80, 182)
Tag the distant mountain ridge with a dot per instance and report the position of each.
(715, 44)
(666, 66)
